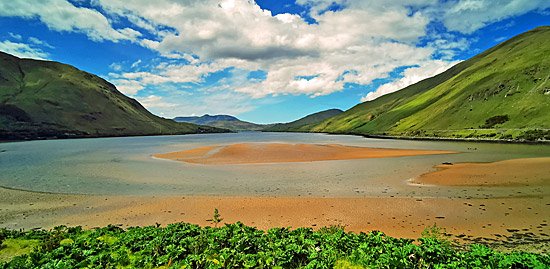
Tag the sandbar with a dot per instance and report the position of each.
(250, 153)
(507, 173)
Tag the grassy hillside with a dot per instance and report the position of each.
(41, 99)
(502, 93)
(309, 119)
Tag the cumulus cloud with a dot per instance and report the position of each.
(22, 50)
(356, 42)
(410, 76)
(353, 45)
(128, 87)
(172, 106)
(60, 15)
(153, 101)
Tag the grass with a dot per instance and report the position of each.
(16, 247)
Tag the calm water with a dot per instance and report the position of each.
(124, 166)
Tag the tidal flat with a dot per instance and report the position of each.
(96, 182)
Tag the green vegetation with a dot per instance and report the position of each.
(505, 91)
(309, 119)
(184, 245)
(42, 99)
(492, 121)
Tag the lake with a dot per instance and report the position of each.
(125, 166)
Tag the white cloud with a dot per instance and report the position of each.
(362, 41)
(60, 15)
(153, 101)
(218, 103)
(15, 36)
(135, 64)
(240, 34)
(128, 87)
(410, 76)
(39, 42)
(467, 16)
(115, 67)
(22, 50)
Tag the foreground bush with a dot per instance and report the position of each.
(184, 245)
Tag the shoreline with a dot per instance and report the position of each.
(445, 139)
(449, 139)
(472, 220)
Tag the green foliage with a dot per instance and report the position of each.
(435, 232)
(184, 245)
(534, 135)
(216, 218)
(492, 121)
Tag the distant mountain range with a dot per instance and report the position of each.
(502, 93)
(235, 124)
(205, 119)
(222, 121)
(43, 99)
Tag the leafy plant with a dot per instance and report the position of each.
(184, 245)
(216, 218)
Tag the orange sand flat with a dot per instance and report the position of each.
(400, 217)
(279, 153)
(516, 172)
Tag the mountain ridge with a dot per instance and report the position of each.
(45, 99)
(222, 121)
(205, 119)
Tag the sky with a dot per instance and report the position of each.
(263, 61)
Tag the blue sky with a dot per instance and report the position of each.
(263, 61)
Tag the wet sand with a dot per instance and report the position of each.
(247, 153)
(508, 173)
(400, 217)
(469, 219)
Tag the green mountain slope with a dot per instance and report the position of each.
(309, 119)
(502, 93)
(41, 99)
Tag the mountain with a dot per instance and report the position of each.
(44, 99)
(502, 93)
(222, 121)
(238, 125)
(205, 119)
(309, 119)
